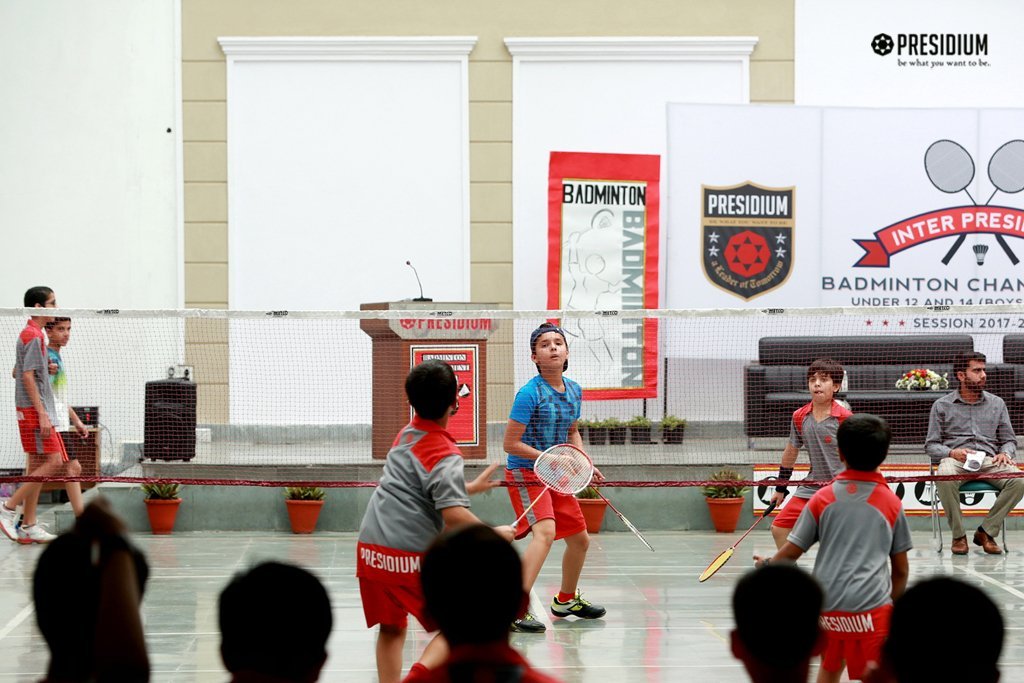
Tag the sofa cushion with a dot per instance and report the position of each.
(911, 350)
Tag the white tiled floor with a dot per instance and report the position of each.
(662, 625)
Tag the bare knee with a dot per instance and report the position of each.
(74, 468)
(578, 542)
(389, 632)
(544, 532)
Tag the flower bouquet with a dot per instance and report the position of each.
(922, 379)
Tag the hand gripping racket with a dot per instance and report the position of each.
(563, 468)
(724, 556)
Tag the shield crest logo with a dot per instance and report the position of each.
(747, 237)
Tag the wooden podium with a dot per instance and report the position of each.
(399, 344)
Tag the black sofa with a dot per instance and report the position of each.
(776, 385)
(1006, 379)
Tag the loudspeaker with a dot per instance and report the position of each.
(170, 420)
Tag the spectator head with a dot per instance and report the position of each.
(908, 655)
(473, 560)
(432, 389)
(66, 593)
(258, 599)
(776, 644)
(863, 441)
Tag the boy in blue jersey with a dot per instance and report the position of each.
(58, 332)
(543, 415)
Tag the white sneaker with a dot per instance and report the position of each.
(9, 521)
(34, 534)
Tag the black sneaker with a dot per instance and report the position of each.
(577, 607)
(528, 624)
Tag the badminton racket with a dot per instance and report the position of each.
(724, 556)
(563, 468)
(1006, 171)
(950, 169)
(629, 524)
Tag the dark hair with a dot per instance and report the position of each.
(927, 604)
(864, 441)
(542, 329)
(37, 295)
(66, 593)
(962, 360)
(50, 325)
(473, 560)
(250, 642)
(827, 366)
(431, 388)
(779, 638)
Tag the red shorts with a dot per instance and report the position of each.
(524, 487)
(855, 638)
(32, 441)
(391, 604)
(786, 519)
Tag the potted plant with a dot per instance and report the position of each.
(583, 426)
(639, 430)
(162, 501)
(304, 504)
(593, 506)
(672, 429)
(725, 499)
(597, 433)
(616, 431)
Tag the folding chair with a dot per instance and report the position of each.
(965, 487)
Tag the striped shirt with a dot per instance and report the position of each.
(547, 414)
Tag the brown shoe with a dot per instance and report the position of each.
(959, 546)
(987, 543)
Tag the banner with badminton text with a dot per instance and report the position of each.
(784, 207)
(603, 255)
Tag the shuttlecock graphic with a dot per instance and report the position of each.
(979, 253)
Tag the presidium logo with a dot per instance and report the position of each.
(747, 237)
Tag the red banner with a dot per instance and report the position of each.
(603, 256)
(954, 221)
(464, 359)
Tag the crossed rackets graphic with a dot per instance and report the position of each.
(950, 169)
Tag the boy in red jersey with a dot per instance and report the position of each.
(861, 528)
(33, 400)
(814, 426)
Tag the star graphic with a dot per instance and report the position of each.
(780, 252)
(868, 322)
(713, 237)
(712, 251)
(780, 238)
(885, 323)
(902, 323)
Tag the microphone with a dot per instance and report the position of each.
(420, 297)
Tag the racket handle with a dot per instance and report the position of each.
(528, 508)
(769, 509)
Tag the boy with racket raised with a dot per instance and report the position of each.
(860, 527)
(544, 414)
(814, 426)
(422, 491)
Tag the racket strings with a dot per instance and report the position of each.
(565, 469)
(1006, 167)
(949, 166)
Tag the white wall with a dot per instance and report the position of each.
(346, 157)
(836, 66)
(88, 170)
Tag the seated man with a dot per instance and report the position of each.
(778, 650)
(972, 419)
(904, 658)
(475, 560)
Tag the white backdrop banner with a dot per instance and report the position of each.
(804, 206)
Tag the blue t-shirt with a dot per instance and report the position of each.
(547, 414)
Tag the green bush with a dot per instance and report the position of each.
(161, 490)
(304, 493)
(725, 489)
(638, 421)
(672, 422)
(589, 493)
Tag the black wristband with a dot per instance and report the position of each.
(785, 473)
